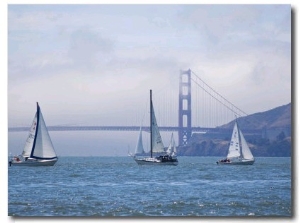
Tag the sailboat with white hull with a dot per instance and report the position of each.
(239, 152)
(38, 149)
(156, 145)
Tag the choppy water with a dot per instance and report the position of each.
(117, 186)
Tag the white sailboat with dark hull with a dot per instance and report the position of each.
(38, 149)
(158, 156)
(239, 152)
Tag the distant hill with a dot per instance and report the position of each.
(279, 117)
(270, 135)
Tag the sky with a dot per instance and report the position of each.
(94, 64)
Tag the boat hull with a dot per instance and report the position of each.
(33, 162)
(153, 161)
(242, 162)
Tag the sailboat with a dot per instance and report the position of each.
(239, 152)
(38, 149)
(156, 145)
(172, 148)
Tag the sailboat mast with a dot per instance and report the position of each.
(38, 111)
(151, 110)
(240, 141)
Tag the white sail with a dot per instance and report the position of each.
(172, 148)
(139, 146)
(157, 144)
(246, 152)
(174, 153)
(234, 147)
(43, 147)
(30, 139)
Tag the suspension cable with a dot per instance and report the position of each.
(234, 111)
(241, 111)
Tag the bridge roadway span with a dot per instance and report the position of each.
(107, 128)
(127, 128)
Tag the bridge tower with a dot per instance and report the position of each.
(185, 111)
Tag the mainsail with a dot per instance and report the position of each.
(157, 144)
(30, 139)
(234, 147)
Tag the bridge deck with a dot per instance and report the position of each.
(125, 128)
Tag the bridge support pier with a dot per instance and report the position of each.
(185, 110)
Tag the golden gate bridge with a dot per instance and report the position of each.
(208, 106)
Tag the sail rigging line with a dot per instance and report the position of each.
(218, 93)
(166, 103)
(234, 111)
(36, 129)
(151, 110)
(244, 113)
(240, 141)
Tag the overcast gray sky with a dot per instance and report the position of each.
(94, 64)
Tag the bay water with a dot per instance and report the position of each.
(115, 186)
